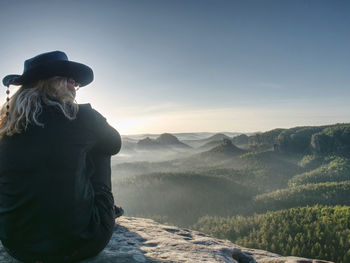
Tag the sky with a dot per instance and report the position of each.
(194, 65)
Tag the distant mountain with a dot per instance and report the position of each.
(265, 140)
(128, 139)
(218, 136)
(202, 135)
(241, 139)
(192, 135)
(182, 136)
(227, 148)
(164, 141)
(148, 143)
(332, 139)
(327, 139)
(202, 142)
(168, 139)
(210, 145)
(128, 144)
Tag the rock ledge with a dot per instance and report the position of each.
(138, 240)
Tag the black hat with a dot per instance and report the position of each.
(49, 65)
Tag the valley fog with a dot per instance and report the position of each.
(199, 180)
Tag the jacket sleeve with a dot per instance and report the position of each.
(108, 140)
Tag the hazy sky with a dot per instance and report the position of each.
(194, 65)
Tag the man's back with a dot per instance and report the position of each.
(46, 197)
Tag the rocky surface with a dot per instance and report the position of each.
(240, 139)
(143, 240)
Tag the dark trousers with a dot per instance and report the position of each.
(102, 228)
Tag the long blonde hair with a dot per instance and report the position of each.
(25, 106)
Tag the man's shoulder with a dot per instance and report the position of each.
(86, 112)
(86, 109)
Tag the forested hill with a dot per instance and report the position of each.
(330, 139)
(285, 190)
(321, 231)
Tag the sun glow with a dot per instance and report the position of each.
(131, 125)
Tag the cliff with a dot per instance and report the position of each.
(144, 240)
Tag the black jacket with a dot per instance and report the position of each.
(46, 195)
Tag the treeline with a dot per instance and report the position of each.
(321, 232)
(258, 183)
(265, 140)
(333, 139)
(311, 194)
(181, 198)
(336, 170)
(272, 169)
(329, 139)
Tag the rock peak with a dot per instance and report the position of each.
(226, 142)
(167, 138)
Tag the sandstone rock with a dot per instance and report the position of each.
(240, 139)
(138, 240)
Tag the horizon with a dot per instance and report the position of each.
(226, 132)
(174, 66)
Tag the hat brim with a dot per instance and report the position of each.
(70, 69)
(11, 80)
